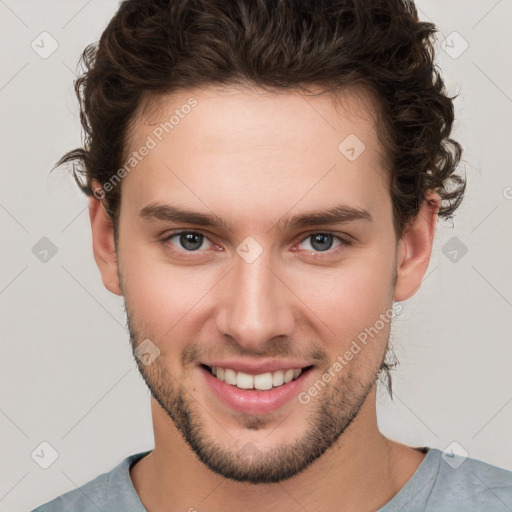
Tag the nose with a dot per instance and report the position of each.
(255, 305)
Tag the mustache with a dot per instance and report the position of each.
(229, 348)
(226, 347)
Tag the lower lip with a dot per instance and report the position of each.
(253, 401)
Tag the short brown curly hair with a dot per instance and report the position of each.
(161, 46)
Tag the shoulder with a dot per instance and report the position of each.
(112, 487)
(447, 482)
(90, 497)
(471, 483)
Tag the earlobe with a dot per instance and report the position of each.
(104, 245)
(415, 249)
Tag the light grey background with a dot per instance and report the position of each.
(67, 374)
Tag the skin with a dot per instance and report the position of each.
(253, 157)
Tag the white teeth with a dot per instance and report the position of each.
(278, 378)
(230, 376)
(263, 381)
(244, 380)
(288, 376)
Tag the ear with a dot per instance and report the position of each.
(415, 248)
(103, 245)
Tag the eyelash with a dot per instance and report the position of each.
(344, 242)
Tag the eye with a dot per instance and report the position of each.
(322, 242)
(187, 241)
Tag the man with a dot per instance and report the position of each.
(265, 179)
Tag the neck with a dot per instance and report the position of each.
(362, 471)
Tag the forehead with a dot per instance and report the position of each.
(236, 148)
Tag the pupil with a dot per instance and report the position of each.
(191, 241)
(319, 239)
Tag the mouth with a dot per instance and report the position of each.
(255, 394)
(260, 382)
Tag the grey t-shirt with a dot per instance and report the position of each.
(442, 483)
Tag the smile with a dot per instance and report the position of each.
(262, 381)
(255, 393)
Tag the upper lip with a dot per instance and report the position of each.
(259, 367)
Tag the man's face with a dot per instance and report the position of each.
(265, 290)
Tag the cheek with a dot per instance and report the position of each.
(163, 296)
(349, 299)
(160, 296)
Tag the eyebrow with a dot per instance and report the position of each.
(328, 216)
